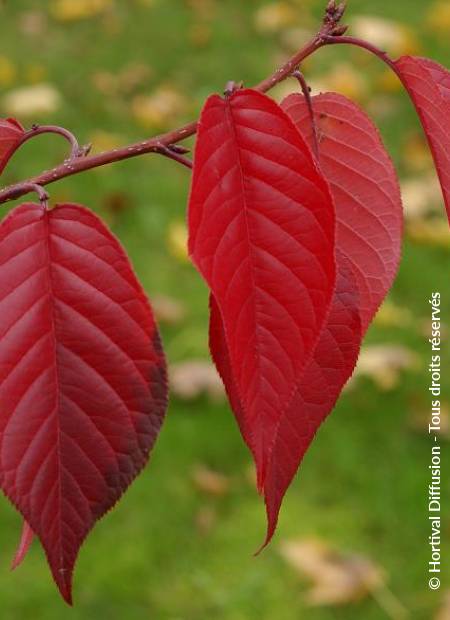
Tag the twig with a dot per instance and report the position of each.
(307, 94)
(37, 130)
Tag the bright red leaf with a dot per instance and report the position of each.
(82, 375)
(11, 134)
(322, 381)
(261, 232)
(317, 390)
(365, 189)
(428, 84)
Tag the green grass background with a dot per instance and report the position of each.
(362, 486)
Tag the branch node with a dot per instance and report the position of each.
(231, 87)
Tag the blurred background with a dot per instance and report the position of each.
(352, 542)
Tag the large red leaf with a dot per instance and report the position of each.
(365, 190)
(428, 84)
(11, 134)
(82, 375)
(317, 390)
(261, 232)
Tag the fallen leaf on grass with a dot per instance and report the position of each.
(433, 232)
(438, 18)
(191, 379)
(8, 71)
(342, 78)
(340, 578)
(337, 578)
(444, 611)
(161, 107)
(168, 310)
(177, 240)
(394, 37)
(419, 421)
(383, 364)
(416, 156)
(74, 10)
(421, 196)
(38, 100)
(210, 482)
(275, 17)
(393, 315)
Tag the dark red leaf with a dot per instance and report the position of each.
(428, 84)
(261, 232)
(365, 189)
(82, 375)
(26, 538)
(11, 134)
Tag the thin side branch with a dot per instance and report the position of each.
(307, 95)
(37, 130)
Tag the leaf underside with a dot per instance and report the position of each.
(82, 375)
(365, 189)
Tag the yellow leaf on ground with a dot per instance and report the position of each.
(37, 100)
(393, 37)
(438, 18)
(419, 421)
(444, 611)
(392, 315)
(337, 578)
(168, 310)
(73, 10)
(193, 378)
(421, 196)
(159, 108)
(8, 71)
(383, 364)
(177, 240)
(209, 481)
(342, 78)
(416, 154)
(275, 17)
(434, 232)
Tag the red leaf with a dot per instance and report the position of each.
(365, 189)
(261, 232)
(82, 375)
(317, 390)
(11, 134)
(26, 538)
(428, 84)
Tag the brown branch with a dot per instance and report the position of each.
(167, 144)
(298, 75)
